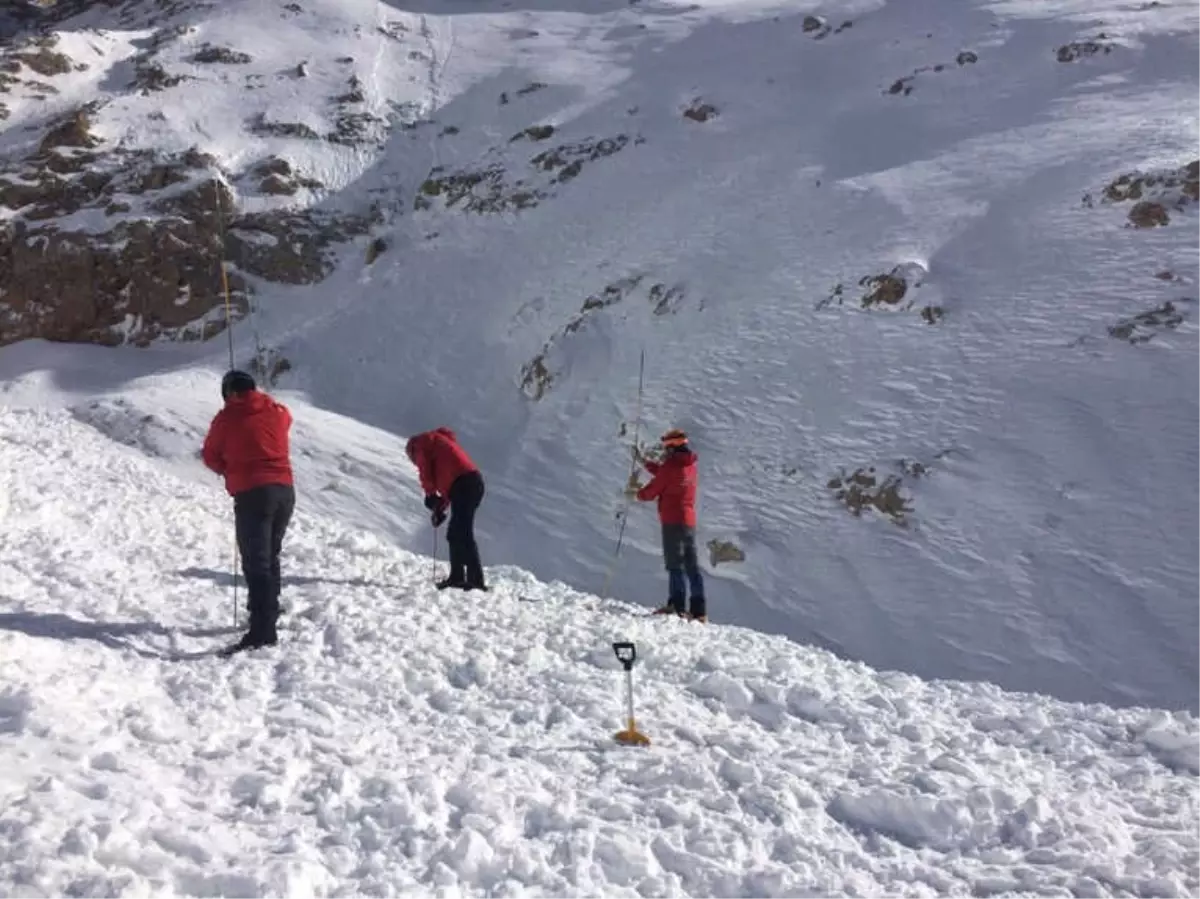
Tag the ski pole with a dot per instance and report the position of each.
(433, 562)
(229, 328)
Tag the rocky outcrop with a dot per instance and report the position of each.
(106, 245)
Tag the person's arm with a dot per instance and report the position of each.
(213, 452)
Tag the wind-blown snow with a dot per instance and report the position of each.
(403, 742)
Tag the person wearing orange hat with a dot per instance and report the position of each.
(673, 485)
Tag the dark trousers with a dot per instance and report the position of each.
(679, 554)
(261, 516)
(466, 493)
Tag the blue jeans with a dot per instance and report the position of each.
(683, 568)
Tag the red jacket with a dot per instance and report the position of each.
(439, 460)
(674, 486)
(247, 442)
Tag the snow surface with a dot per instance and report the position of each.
(405, 742)
(1053, 543)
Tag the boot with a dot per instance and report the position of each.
(452, 582)
(674, 606)
(247, 642)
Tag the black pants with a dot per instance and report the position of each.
(262, 515)
(466, 493)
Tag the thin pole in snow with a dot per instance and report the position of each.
(633, 461)
(229, 329)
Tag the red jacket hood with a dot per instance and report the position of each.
(415, 443)
(248, 403)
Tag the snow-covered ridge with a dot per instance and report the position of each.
(401, 741)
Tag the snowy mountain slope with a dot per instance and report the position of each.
(385, 748)
(1047, 454)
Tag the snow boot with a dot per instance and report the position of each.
(450, 582)
(247, 642)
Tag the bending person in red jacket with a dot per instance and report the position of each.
(673, 484)
(450, 478)
(247, 444)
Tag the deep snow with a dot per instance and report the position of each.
(405, 742)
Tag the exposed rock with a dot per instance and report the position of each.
(277, 186)
(74, 130)
(534, 133)
(568, 159)
(492, 189)
(530, 88)
(1082, 49)
(259, 125)
(278, 179)
(1148, 214)
(375, 249)
(699, 111)
(151, 77)
(536, 377)
(904, 86)
(140, 281)
(883, 289)
(208, 53)
(482, 191)
(864, 489)
(289, 247)
(665, 300)
(155, 273)
(148, 75)
(818, 27)
(42, 58)
(1142, 327)
(539, 374)
(353, 128)
(890, 290)
(355, 94)
(1153, 194)
(724, 551)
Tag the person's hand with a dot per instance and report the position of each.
(438, 516)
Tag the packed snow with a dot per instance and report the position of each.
(404, 742)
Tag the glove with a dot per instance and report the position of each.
(438, 516)
(432, 501)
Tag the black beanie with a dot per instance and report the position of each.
(236, 382)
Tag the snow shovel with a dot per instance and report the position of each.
(630, 736)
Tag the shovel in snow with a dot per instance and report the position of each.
(630, 736)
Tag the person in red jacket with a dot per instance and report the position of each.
(673, 484)
(247, 444)
(450, 479)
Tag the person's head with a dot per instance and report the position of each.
(236, 383)
(674, 441)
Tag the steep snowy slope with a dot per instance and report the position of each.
(848, 236)
(405, 742)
